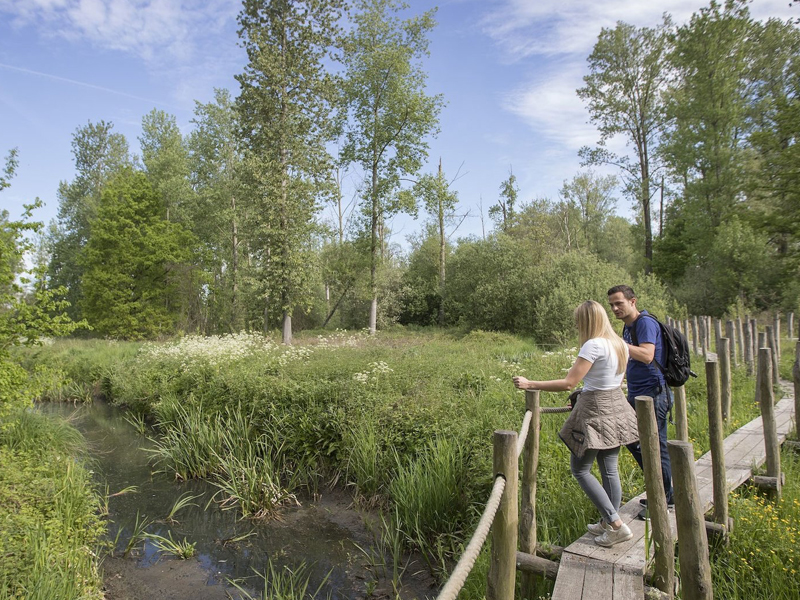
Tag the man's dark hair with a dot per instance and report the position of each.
(626, 290)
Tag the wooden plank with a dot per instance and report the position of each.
(628, 584)
(571, 572)
(598, 580)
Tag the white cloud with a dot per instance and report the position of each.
(158, 31)
(524, 28)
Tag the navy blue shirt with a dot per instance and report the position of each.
(644, 379)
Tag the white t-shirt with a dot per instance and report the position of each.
(603, 373)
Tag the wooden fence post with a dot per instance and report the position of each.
(664, 577)
(776, 326)
(796, 377)
(695, 330)
(718, 478)
(527, 518)
(747, 347)
(681, 418)
(503, 561)
(790, 325)
(730, 333)
(724, 358)
(772, 345)
(692, 538)
(756, 346)
(767, 403)
(717, 334)
(739, 339)
(703, 344)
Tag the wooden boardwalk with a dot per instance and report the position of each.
(617, 573)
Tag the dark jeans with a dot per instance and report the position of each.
(662, 401)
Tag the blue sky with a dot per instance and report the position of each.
(508, 70)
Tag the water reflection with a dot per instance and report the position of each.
(322, 534)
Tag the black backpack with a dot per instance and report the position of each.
(675, 356)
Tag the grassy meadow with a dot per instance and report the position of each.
(403, 419)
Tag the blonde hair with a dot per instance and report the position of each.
(592, 321)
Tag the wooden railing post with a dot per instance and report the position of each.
(717, 334)
(664, 577)
(775, 355)
(692, 538)
(715, 436)
(790, 325)
(681, 418)
(530, 464)
(796, 377)
(703, 336)
(767, 403)
(747, 347)
(730, 333)
(503, 561)
(724, 358)
(739, 339)
(754, 339)
(776, 327)
(695, 330)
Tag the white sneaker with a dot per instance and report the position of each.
(615, 536)
(599, 528)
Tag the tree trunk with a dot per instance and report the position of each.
(442, 248)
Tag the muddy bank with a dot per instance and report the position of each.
(326, 534)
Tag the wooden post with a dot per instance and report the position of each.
(708, 333)
(796, 377)
(747, 347)
(717, 334)
(527, 518)
(756, 346)
(503, 565)
(692, 538)
(681, 418)
(776, 327)
(767, 403)
(730, 333)
(715, 430)
(724, 359)
(772, 345)
(703, 345)
(694, 335)
(739, 339)
(790, 325)
(664, 576)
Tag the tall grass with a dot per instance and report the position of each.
(404, 419)
(50, 529)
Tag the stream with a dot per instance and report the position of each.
(326, 534)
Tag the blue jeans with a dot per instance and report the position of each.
(662, 402)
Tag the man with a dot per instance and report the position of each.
(643, 376)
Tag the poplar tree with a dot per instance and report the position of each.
(389, 113)
(284, 110)
(216, 166)
(624, 93)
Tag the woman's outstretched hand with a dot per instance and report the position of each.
(521, 383)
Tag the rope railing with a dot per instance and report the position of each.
(554, 409)
(523, 433)
(467, 561)
(462, 570)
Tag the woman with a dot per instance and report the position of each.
(602, 420)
